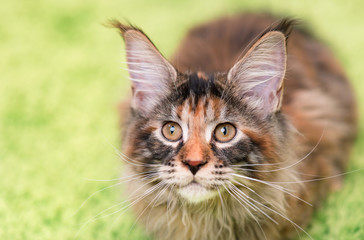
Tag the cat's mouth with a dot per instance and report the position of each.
(195, 192)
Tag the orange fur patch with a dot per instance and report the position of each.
(202, 75)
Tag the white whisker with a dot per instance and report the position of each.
(272, 185)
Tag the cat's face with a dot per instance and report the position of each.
(206, 135)
(197, 133)
(196, 139)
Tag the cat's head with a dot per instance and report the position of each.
(202, 133)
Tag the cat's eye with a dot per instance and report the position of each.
(224, 132)
(172, 131)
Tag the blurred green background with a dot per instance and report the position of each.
(61, 78)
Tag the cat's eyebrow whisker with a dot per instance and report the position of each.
(278, 187)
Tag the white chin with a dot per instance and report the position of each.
(195, 193)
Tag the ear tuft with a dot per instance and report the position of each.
(123, 28)
(285, 27)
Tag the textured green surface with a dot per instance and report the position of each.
(61, 79)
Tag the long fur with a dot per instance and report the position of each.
(264, 182)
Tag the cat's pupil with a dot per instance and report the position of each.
(171, 129)
(224, 131)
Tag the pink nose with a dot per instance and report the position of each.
(194, 165)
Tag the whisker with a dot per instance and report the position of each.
(244, 200)
(131, 161)
(125, 208)
(155, 201)
(274, 186)
(237, 199)
(164, 187)
(123, 156)
(242, 194)
(93, 194)
(96, 216)
(323, 178)
(281, 215)
(280, 163)
(120, 178)
(114, 185)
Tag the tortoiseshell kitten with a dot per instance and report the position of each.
(231, 139)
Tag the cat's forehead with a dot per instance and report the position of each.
(197, 85)
(201, 109)
(199, 97)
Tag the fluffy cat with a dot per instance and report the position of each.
(234, 138)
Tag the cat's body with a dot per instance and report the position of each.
(282, 144)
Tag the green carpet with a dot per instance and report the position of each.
(61, 78)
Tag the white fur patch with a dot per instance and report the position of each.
(195, 192)
(208, 131)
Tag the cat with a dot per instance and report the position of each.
(240, 136)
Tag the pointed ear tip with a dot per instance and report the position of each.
(123, 28)
(114, 23)
(277, 37)
(277, 34)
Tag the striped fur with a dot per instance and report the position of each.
(261, 184)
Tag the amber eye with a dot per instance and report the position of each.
(224, 132)
(172, 131)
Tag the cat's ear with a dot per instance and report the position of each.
(259, 75)
(150, 73)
